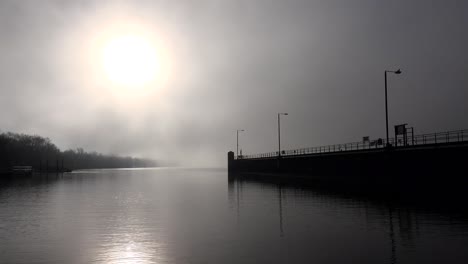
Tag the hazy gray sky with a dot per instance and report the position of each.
(233, 65)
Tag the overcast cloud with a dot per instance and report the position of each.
(234, 65)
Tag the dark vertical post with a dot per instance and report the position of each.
(279, 136)
(386, 109)
(386, 104)
(279, 142)
(237, 150)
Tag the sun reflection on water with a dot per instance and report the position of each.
(132, 235)
(130, 249)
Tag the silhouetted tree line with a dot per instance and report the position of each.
(41, 153)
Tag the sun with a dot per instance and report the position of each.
(130, 60)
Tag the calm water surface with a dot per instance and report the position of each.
(198, 216)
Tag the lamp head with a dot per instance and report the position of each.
(398, 71)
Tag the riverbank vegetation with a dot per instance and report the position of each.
(39, 152)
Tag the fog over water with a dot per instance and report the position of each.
(227, 65)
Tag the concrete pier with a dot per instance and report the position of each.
(408, 167)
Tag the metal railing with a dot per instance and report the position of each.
(416, 140)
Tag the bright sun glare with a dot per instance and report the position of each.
(130, 61)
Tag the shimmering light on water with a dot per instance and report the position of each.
(198, 216)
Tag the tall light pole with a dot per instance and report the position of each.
(279, 134)
(238, 130)
(386, 105)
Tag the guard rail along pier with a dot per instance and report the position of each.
(408, 160)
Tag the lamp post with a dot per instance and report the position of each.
(238, 130)
(386, 104)
(279, 134)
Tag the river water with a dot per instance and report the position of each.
(197, 216)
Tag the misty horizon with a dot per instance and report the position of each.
(224, 66)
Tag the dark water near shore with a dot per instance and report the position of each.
(198, 216)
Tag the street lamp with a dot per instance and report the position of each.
(386, 105)
(279, 134)
(239, 130)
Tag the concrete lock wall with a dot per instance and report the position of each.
(411, 166)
